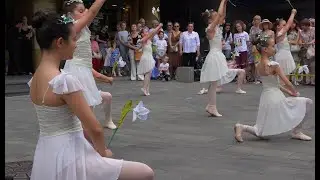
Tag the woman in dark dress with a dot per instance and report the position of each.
(14, 46)
(26, 33)
(102, 38)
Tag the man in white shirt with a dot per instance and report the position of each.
(189, 46)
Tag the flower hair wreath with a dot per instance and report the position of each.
(73, 1)
(66, 19)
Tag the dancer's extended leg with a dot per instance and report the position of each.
(146, 84)
(212, 105)
(239, 128)
(107, 100)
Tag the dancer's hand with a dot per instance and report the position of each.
(294, 11)
(295, 94)
(110, 80)
(108, 153)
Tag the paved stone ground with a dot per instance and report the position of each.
(179, 141)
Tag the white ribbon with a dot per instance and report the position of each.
(304, 69)
(140, 112)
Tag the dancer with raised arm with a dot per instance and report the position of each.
(283, 55)
(62, 150)
(215, 70)
(81, 64)
(147, 62)
(277, 114)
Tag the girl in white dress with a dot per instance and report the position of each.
(147, 62)
(81, 64)
(62, 151)
(277, 114)
(215, 69)
(283, 55)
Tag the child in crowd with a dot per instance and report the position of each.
(164, 69)
(241, 38)
(161, 45)
(112, 58)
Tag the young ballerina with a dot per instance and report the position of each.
(283, 55)
(215, 69)
(81, 65)
(62, 111)
(277, 114)
(147, 62)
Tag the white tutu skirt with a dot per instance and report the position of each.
(85, 76)
(146, 63)
(278, 114)
(286, 61)
(71, 157)
(215, 69)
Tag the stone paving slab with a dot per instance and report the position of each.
(179, 140)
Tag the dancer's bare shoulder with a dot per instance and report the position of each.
(267, 69)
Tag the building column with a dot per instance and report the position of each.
(50, 5)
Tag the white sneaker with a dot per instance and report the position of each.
(240, 91)
(203, 91)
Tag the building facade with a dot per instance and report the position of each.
(112, 12)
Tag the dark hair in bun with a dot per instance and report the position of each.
(38, 18)
(261, 41)
(206, 15)
(50, 26)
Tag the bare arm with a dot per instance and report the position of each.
(284, 79)
(94, 130)
(101, 77)
(181, 43)
(286, 91)
(99, 40)
(288, 24)
(151, 34)
(220, 16)
(89, 15)
(169, 39)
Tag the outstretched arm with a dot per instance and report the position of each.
(220, 16)
(289, 23)
(151, 34)
(101, 77)
(89, 15)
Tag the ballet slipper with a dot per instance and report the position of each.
(212, 110)
(110, 125)
(144, 92)
(301, 136)
(238, 132)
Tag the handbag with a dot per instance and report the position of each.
(137, 55)
(294, 48)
